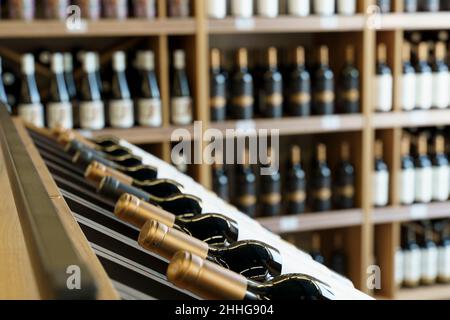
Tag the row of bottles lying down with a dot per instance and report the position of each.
(91, 103)
(294, 191)
(171, 222)
(273, 90)
(424, 255)
(91, 9)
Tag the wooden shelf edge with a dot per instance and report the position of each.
(435, 292)
(287, 24)
(411, 119)
(313, 221)
(415, 21)
(415, 212)
(105, 27)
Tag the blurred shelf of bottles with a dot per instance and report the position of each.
(254, 88)
(118, 96)
(423, 257)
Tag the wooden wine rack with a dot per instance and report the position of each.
(369, 230)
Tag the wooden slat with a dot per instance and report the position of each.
(412, 119)
(415, 21)
(439, 210)
(437, 292)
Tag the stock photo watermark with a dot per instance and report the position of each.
(73, 281)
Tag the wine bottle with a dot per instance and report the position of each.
(90, 9)
(149, 105)
(295, 183)
(299, 8)
(384, 5)
(315, 249)
(444, 254)
(85, 157)
(321, 181)
(220, 181)
(424, 79)
(270, 193)
(441, 171)
(349, 93)
(252, 259)
(441, 78)
(214, 229)
(381, 178)
(408, 80)
(121, 112)
(411, 6)
(218, 88)
(272, 92)
(162, 188)
(407, 178)
(429, 5)
(245, 196)
(216, 9)
(144, 9)
(59, 108)
(181, 101)
(115, 9)
(323, 90)
(30, 108)
(338, 260)
(411, 258)
(3, 96)
(56, 9)
(299, 85)
(98, 74)
(212, 282)
(382, 93)
(179, 8)
(267, 8)
(182, 204)
(71, 88)
(92, 113)
(345, 180)
(242, 8)
(242, 101)
(346, 7)
(423, 172)
(22, 10)
(324, 7)
(429, 256)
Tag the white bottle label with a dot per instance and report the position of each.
(346, 7)
(59, 114)
(149, 112)
(441, 183)
(121, 113)
(441, 95)
(181, 110)
(399, 267)
(92, 115)
(412, 265)
(242, 8)
(444, 263)
(32, 113)
(324, 7)
(268, 8)
(408, 91)
(300, 8)
(429, 266)
(424, 90)
(382, 93)
(217, 9)
(381, 188)
(407, 191)
(423, 184)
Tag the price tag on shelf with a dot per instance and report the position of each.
(419, 117)
(329, 22)
(419, 211)
(331, 122)
(289, 223)
(245, 125)
(244, 24)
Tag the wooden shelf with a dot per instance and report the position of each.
(411, 119)
(313, 221)
(138, 135)
(436, 292)
(297, 126)
(415, 212)
(415, 21)
(287, 24)
(107, 28)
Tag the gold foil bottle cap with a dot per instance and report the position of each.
(242, 58)
(296, 154)
(406, 52)
(96, 171)
(321, 153)
(215, 58)
(300, 56)
(316, 242)
(379, 149)
(382, 53)
(423, 52)
(440, 51)
(345, 151)
(350, 54)
(245, 160)
(406, 146)
(205, 279)
(439, 144)
(324, 55)
(272, 57)
(422, 145)
(137, 212)
(65, 138)
(164, 241)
